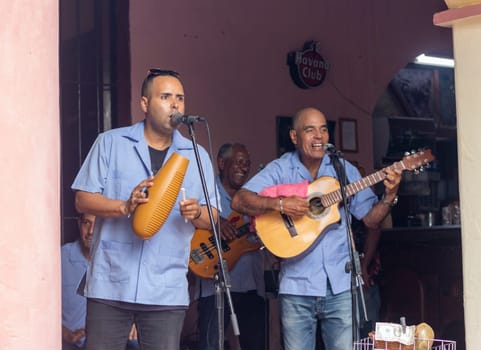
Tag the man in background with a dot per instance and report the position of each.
(75, 259)
(247, 275)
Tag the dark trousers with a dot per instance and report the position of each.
(250, 311)
(67, 346)
(108, 327)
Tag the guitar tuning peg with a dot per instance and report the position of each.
(413, 151)
(421, 169)
(416, 171)
(407, 153)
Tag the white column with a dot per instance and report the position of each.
(466, 26)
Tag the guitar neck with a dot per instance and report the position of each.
(243, 230)
(334, 197)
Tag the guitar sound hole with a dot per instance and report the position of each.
(315, 206)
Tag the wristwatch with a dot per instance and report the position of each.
(392, 203)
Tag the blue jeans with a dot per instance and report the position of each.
(108, 327)
(300, 314)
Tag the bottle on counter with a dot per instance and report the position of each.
(455, 212)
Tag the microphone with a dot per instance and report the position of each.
(329, 148)
(179, 118)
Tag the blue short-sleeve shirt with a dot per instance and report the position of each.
(248, 273)
(124, 267)
(74, 306)
(308, 273)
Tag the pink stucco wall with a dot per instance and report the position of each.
(29, 157)
(232, 56)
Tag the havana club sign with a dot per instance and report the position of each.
(308, 68)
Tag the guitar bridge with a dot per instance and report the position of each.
(196, 256)
(289, 225)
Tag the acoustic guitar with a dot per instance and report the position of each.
(286, 237)
(204, 256)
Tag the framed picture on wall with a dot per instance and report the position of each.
(284, 124)
(284, 144)
(348, 135)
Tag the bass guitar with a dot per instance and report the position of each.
(204, 256)
(286, 237)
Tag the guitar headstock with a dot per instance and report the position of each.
(416, 160)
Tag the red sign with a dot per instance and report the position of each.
(308, 68)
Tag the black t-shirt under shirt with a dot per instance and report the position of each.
(157, 158)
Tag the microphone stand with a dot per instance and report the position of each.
(354, 265)
(221, 278)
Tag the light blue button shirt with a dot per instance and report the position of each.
(123, 266)
(307, 273)
(248, 273)
(74, 306)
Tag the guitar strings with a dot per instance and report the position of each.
(212, 247)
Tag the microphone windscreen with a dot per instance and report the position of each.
(176, 118)
(149, 217)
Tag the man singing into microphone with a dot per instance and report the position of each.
(314, 285)
(131, 280)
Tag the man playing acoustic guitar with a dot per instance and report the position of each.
(314, 285)
(247, 274)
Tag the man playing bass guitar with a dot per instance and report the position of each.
(247, 274)
(314, 286)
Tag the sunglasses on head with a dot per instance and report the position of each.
(163, 72)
